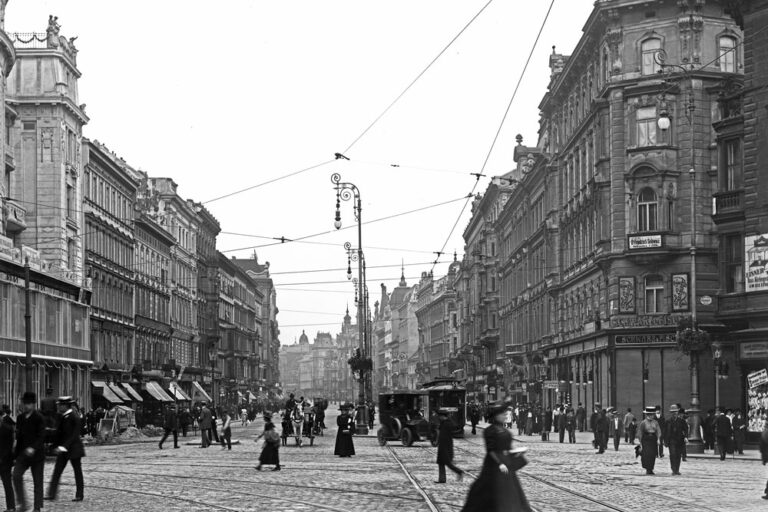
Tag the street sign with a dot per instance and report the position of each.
(705, 300)
(757, 378)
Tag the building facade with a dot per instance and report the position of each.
(42, 221)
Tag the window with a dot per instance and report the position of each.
(647, 210)
(71, 253)
(70, 201)
(654, 290)
(734, 270)
(727, 54)
(646, 126)
(649, 49)
(731, 178)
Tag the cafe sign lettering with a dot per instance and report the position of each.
(645, 242)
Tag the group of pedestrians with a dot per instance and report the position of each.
(22, 448)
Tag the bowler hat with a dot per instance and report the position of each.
(28, 398)
(498, 407)
(674, 408)
(649, 410)
(65, 400)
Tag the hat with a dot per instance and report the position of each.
(597, 404)
(498, 407)
(28, 398)
(345, 406)
(610, 409)
(649, 410)
(674, 408)
(443, 410)
(65, 400)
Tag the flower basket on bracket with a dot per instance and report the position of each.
(691, 340)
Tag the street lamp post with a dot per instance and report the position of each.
(348, 191)
(696, 444)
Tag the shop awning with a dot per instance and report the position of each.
(251, 398)
(154, 389)
(135, 396)
(101, 388)
(198, 393)
(178, 393)
(119, 392)
(239, 394)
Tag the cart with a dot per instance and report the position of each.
(403, 416)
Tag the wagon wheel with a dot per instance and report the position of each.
(406, 437)
(381, 437)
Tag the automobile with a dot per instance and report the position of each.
(451, 395)
(404, 415)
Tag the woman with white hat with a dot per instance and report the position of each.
(649, 433)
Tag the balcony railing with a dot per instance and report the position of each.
(16, 220)
(728, 202)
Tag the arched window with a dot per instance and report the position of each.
(654, 291)
(727, 54)
(649, 48)
(647, 209)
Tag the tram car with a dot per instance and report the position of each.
(404, 416)
(448, 393)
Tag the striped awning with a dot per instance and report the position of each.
(178, 393)
(135, 396)
(199, 394)
(101, 388)
(119, 392)
(154, 389)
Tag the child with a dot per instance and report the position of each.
(226, 430)
(269, 452)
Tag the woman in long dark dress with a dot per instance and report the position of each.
(269, 452)
(497, 489)
(649, 433)
(344, 445)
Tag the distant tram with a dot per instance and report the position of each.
(449, 393)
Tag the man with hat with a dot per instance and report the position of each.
(30, 451)
(615, 427)
(7, 427)
(723, 432)
(445, 447)
(675, 437)
(70, 449)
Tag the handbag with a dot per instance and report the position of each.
(515, 461)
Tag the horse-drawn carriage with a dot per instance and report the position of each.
(299, 423)
(404, 415)
(320, 405)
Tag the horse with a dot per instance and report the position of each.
(297, 418)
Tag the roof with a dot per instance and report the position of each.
(398, 296)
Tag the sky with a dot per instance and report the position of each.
(222, 96)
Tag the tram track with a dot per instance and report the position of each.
(433, 507)
(280, 484)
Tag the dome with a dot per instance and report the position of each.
(303, 340)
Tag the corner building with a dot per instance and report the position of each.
(603, 302)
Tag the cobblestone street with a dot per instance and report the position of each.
(559, 477)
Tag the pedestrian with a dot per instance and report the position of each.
(764, 453)
(497, 488)
(30, 451)
(170, 426)
(528, 422)
(344, 445)
(185, 419)
(663, 428)
(69, 449)
(226, 430)
(474, 417)
(581, 416)
(708, 427)
(629, 418)
(570, 425)
(7, 428)
(243, 417)
(561, 424)
(739, 432)
(649, 433)
(723, 432)
(546, 421)
(371, 415)
(616, 428)
(214, 431)
(445, 447)
(270, 454)
(601, 431)
(676, 438)
(593, 425)
(205, 422)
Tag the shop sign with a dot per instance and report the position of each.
(757, 378)
(646, 320)
(756, 263)
(551, 384)
(7, 250)
(645, 339)
(754, 350)
(645, 242)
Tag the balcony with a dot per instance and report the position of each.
(729, 205)
(16, 220)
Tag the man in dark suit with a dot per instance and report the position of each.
(445, 447)
(30, 451)
(581, 416)
(7, 427)
(69, 448)
(601, 431)
(675, 438)
(663, 425)
(171, 425)
(615, 428)
(723, 432)
(205, 426)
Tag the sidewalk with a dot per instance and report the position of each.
(585, 438)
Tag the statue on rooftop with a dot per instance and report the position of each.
(52, 31)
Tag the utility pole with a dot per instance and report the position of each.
(27, 329)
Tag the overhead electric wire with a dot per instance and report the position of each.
(345, 281)
(273, 180)
(498, 131)
(445, 48)
(332, 244)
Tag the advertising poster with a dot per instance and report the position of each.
(756, 263)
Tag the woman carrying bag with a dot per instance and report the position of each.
(498, 489)
(269, 452)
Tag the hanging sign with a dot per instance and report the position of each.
(757, 378)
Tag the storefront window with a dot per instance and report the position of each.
(757, 408)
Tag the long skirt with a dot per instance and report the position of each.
(344, 445)
(650, 451)
(269, 454)
(494, 491)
